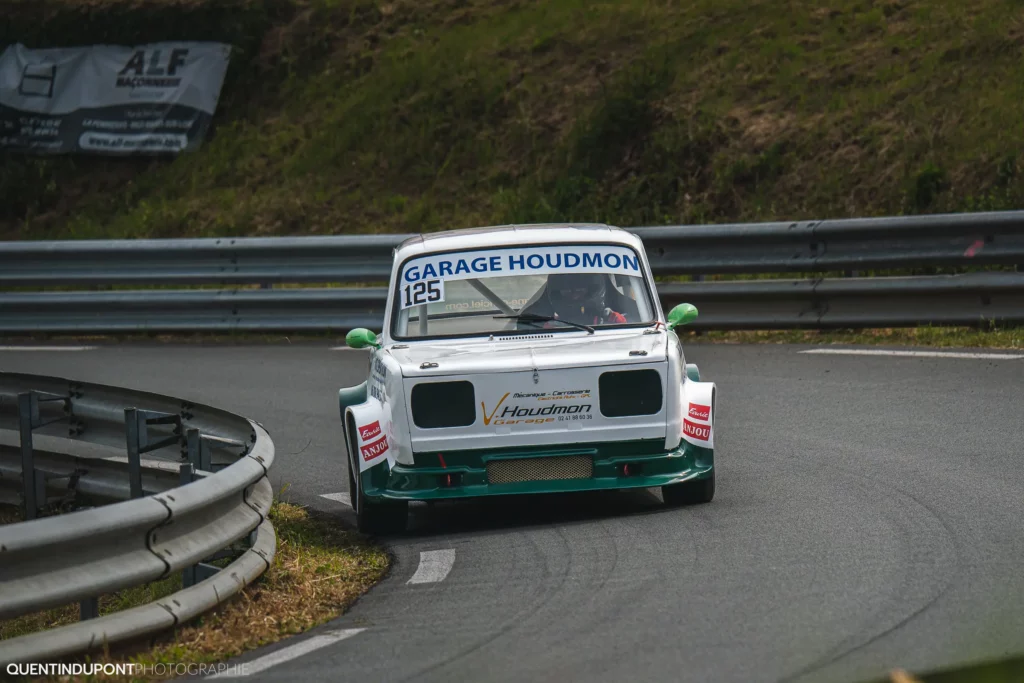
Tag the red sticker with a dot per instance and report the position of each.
(372, 450)
(700, 412)
(696, 431)
(369, 431)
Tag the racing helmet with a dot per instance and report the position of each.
(577, 292)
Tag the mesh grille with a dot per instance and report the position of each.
(539, 469)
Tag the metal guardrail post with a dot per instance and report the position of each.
(136, 426)
(199, 460)
(88, 609)
(28, 407)
(187, 474)
(198, 450)
(190, 576)
(33, 482)
(131, 428)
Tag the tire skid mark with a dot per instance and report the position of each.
(853, 643)
(580, 594)
(516, 619)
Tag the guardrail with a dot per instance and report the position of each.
(201, 488)
(958, 240)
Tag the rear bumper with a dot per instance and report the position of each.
(464, 474)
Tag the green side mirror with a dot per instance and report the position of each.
(683, 314)
(360, 338)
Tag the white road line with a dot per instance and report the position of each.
(47, 348)
(342, 498)
(919, 354)
(434, 566)
(288, 653)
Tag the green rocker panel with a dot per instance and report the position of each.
(464, 474)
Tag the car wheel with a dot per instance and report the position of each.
(689, 492)
(387, 517)
(353, 493)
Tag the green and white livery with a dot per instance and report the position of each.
(524, 359)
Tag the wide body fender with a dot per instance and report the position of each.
(350, 396)
(691, 403)
(373, 418)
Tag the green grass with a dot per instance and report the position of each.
(354, 116)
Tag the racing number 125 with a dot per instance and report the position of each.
(422, 293)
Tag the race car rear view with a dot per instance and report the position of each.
(524, 359)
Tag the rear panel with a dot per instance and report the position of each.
(554, 407)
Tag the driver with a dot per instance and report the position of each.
(577, 297)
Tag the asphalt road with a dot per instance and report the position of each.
(868, 515)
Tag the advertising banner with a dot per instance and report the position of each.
(105, 99)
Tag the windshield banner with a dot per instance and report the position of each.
(571, 258)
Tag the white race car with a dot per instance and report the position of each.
(524, 359)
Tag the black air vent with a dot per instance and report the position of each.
(630, 392)
(443, 404)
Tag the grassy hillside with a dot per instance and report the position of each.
(415, 115)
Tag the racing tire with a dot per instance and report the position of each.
(380, 518)
(389, 517)
(694, 492)
(353, 491)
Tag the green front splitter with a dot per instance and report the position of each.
(464, 474)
